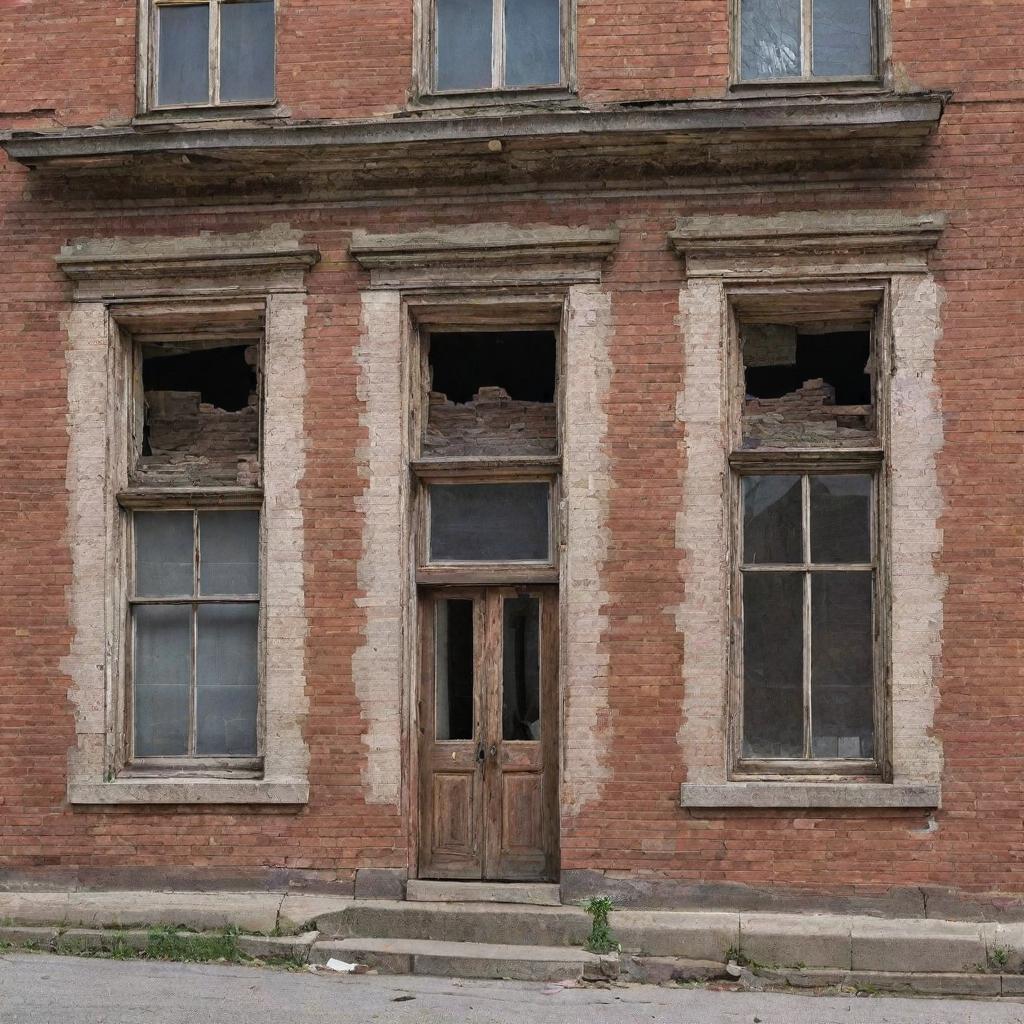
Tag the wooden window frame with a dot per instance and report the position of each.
(149, 29)
(804, 301)
(425, 70)
(150, 498)
(879, 23)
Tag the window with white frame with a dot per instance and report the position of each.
(797, 40)
(215, 53)
(807, 543)
(476, 45)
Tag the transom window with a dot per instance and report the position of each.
(807, 576)
(497, 44)
(803, 39)
(220, 52)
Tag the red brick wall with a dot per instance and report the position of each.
(77, 60)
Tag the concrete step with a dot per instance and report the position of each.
(467, 959)
(503, 923)
(538, 894)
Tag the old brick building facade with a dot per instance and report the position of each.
(584, 452)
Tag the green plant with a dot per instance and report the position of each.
(167, 943)
(998, 959)
(600, 939)
(737, 956)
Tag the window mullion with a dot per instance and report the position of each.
(806, 38)
(193, 681)
(214, 62)
(498, 44)
(805, 516)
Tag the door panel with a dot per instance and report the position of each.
(490, 804)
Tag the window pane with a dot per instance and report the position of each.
(453, 670)
(229, 553)
(489, 522)
(842, 665)
(772, 533)
(841, 518)
(163, 554)
(227, 680)
(161, 672)
(770, 39)
(533, 42)
(773, 702)
(183, 58)
(464, 44)
(247, 51)
(520, 702)
(842, 37)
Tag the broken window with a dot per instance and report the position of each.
(217, 52)
(195, 615)
(807, 386)
(803, 39)
(497, 44)
(808, 598)
(200, 415)
(491, 393)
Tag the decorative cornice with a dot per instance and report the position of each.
(709, 243)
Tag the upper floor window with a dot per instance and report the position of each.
(794, 40)
(213, 53)
(497, 44)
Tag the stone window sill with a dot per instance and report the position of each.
(808, 794)
(189, 791)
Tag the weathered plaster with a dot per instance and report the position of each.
(377, 666)
(105, 273)
(914, 508)
(586, 486)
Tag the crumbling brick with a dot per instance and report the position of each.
(491, 423)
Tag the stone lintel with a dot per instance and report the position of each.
(809, 794)
(188, 791)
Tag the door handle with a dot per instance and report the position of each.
(493, 751)
(480, 753)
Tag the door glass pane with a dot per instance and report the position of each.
(773, 699)
(453, 670)
(247, 51)
(841, 519)
(464, 44)
(520, 701)
(771, 520)
(161, 672)
(842, 665)
(770, 39)
(842, 37)
(489, 522)
(163, 554)
(228, 552)
(533, 42)
(226, 680)
(183, 54)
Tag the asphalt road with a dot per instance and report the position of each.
(39, 989)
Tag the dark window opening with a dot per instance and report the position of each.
(223, 377)
(453, 670)
(840, 359)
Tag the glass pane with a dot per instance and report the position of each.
(520, 672)
(163, 554)
(161, 670)
(453, 670)
(533, 42)
(229, 552)
(227, 680)
(464, 44)
(842, 665)
(842, 37)
(183, 54)
(489, 522)
(841, 519)
(247, 51)
(770, 39)
(773, 701)
(772, 534)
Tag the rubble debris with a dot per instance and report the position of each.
(491, 423)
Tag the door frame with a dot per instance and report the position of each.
(497, 863)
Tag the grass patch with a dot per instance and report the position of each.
(600, 939)
(170, 944)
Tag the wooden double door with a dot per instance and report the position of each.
(488, 733)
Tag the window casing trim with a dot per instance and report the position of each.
(879, 55)
(147, 64)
